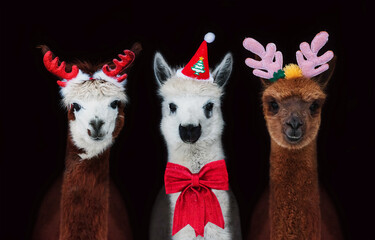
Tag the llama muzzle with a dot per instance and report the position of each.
(190, 133)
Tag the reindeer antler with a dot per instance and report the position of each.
(272, 61)
(126, 60)
(314, 65)
(53, 67)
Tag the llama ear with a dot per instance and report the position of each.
(162, 70)
(43, 48)
(324, 77)
(223, 70)
(265, 82)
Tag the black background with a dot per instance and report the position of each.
(34, 125)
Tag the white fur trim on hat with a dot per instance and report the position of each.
(180, 74)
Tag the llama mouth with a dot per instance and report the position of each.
(97, 139)
(95, 136)
(190, 141)
(293, 138)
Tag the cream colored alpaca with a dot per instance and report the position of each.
(193, 104)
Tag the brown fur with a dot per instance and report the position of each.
(84, 196)
(84, 203)
(92, 206)
(48, 222)
(119, 121)
(294, 207)
(294, 193)
(293, 96)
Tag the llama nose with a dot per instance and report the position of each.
(294, 131)
(190, 133)
(295, 122)
(96, 125)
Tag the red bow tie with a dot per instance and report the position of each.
(197, 204)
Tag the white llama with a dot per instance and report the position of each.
(192, 126)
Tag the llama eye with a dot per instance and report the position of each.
(208, 109)
(273, 106)
(76, 106)
(313, 107)
(173, 107)
(114, 104)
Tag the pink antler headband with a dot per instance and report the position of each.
(271, 61)
(111, 75)
(314, 65)
(271, 64)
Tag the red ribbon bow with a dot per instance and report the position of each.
(197, 204)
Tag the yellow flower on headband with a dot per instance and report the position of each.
(292, 71)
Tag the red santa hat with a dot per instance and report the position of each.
(198, 68)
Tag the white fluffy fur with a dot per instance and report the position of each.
(101, 75)
(82, 87)
(190, 96)
(94, 97)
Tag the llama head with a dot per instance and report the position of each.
(94, 97)
(96, 115)
(191, 112)
(293, 96)
(292, 109)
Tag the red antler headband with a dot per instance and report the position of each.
(53, 67)
(76, 75)
(272, 61)
(126, 60)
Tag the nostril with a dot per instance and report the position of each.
(295, 122)
(195, 129)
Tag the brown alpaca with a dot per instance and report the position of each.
(294, 206)
(84, 203)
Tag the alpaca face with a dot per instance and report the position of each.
(292, 110)
(94, 109)
(191, 111)
(191, 118)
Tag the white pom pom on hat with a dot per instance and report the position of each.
(209, 37)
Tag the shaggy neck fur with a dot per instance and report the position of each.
(195, 156)
(84, 197)
(294, 193)
(85, 191)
